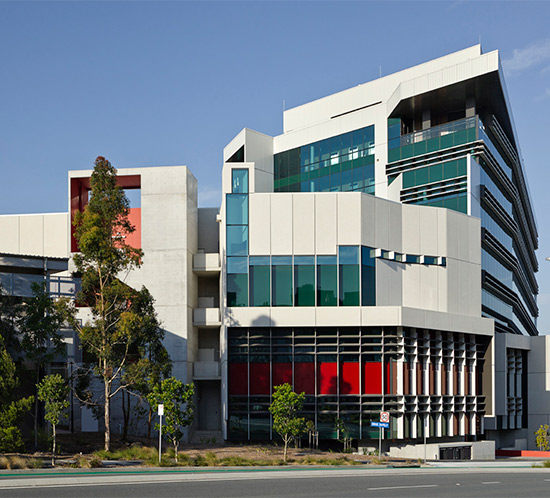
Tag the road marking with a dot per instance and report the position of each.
(405, 487)
(491, 482)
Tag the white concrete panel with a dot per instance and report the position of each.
(464, 238)
(293, 317)
(452, 234)
(303, 224)
(9, 230)
(382, 227)
(429, 287)
(442, 231)
(442, 286)
(395, 235)
(247, 317)
(334, 317)
(326, 223)
(411, 286)
(259, 231)
(474, 240)
(452, 287)
(380, 315)
(349, 219)
(368, 220)
(428, 222)
(281, 224)
(411, 229)
(56, 235)
(31, 232)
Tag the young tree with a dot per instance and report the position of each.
(284, 408)
(100, 232)
(54, 391)
(151, 362)
(11, 410)
(343, 433)
(542, 438)
(39, 326)
(177, 399)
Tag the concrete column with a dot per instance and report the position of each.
(426, 119)
(470, 107)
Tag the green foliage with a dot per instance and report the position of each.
(11, 410)
(177, 399)
(284, 408)
(39, 325)
(113, 338)
(542, 438)
(54, 391)
(343, 434)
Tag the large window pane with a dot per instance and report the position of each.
(282, 288)
(237, 289)
(237, 240)
(304, 285)
(327, 281)
(260, 283)
(368, 278)
(239, 181)
(349, 275)
(237, 209)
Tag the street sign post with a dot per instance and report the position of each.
(160, 413)
(380, 425)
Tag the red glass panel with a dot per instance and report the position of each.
(238, 379)
(327, 378)
(304, 378)
(349, 378)
(282, 373)
(372, 378)
(259, 378)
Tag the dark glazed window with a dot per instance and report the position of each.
(304, 281)
(260, 284)
(368, 277)
(237, 282)
(349, 275)
(237, 240)
(327, 281)
(282, 280)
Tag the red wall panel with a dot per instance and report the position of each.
(349, 378)
(304, 378)
(259, 378)
(327, 378)
(372, 378)
(282, 373)
(238, 379)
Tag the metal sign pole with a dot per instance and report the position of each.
(379, 442)
(425, 427)
(160, 413)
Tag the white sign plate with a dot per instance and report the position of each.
(161, 410)
(384, 417)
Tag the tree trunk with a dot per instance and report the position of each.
(286, 446)
(176, 451)
(107, 414)
(53, 448)
(36, 407)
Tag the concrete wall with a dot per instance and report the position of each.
(35, 234)
(481, 450)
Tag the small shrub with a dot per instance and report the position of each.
(35, 463)
(4, 462)
(16, 462)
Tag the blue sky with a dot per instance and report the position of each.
(166, 83)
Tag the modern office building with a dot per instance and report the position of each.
(378, 255)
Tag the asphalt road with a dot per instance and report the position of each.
(470, 482)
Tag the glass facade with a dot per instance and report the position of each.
(444, 184)
(343, 163)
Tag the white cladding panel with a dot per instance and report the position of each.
(281, 224)
(349, 219)
(303, 224)
(326, 216)
(259, 232)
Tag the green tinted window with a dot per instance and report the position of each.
(327, 281)
(237, 240)
(348, 257)
(237, 289)
(239, 181)
(368, 278)
(304, 285)
(237, 209)
(260, 283)
(282, 288)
